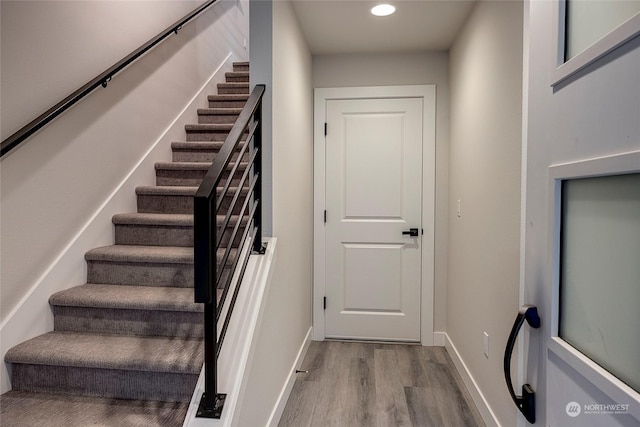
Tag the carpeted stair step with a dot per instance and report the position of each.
(191, 173)
(177, 200)
(161, 229)
(141, 265)
(218, 115)
(228, 101)
(233, 88)
(24, 409)
(153, 229)
(194, 151)
(209, 132)
(116, 366)
(241, 66)
(128, 310)
(237, 76)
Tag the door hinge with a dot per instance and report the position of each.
(325, 216)
(325, 129)
(324, 303)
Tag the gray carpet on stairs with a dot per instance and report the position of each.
(127, 346)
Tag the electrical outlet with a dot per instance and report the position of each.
(485, 345)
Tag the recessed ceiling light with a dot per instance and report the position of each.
(383, 10)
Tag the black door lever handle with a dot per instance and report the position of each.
(413, 232)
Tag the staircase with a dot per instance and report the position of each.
(127, 346)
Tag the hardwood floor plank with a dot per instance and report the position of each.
(423, 409)
(410, 366)
(391, 404)
(330, 408)
(299, 409)
(360, 404)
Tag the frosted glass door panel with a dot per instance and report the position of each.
(600, 272)
(587, 21)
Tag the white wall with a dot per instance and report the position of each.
(287, 317)
(484, 174)
(593, 114)
(55, 182)
(405, 69)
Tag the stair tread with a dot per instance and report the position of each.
(234, 84)
(229, 97)
(127, 297)
(141, 254)
(200, 145)
(220, 127)
(20, 408)
(166, 190)
(220, 111)
(156, 219)
(123, 352)
(175, 166)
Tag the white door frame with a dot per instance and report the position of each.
(428, 94)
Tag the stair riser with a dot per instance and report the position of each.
(237, 78)
(205, 156)
(191, 178)
(118, 384)
(176, 204)
(197, 156)
(128, 322)
(159, 236)
(233, 90)
(227, 104)
(200, 135)
(241, 67)
(151, 235)
(140, 274)
(217, 119)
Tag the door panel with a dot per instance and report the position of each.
(373, 194)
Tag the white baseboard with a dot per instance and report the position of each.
(439, 339)
(276, 414)
(479, 399)
(32, 316)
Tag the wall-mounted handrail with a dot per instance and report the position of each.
(526, 403)
(213, 271)
(101, 80)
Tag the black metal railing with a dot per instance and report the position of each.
(227, 216)
(101, 80)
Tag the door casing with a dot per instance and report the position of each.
(428, 95)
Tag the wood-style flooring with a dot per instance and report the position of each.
(359, 384)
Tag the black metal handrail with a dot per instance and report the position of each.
(215, 266)
(101, 80)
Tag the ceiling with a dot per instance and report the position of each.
(346, 26)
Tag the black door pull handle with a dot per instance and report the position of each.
(526, 403)
(413, 232)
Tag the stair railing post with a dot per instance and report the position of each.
(257, 170)
(205, 270)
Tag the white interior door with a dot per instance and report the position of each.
(373, 195)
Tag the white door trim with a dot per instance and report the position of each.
(321, 96)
